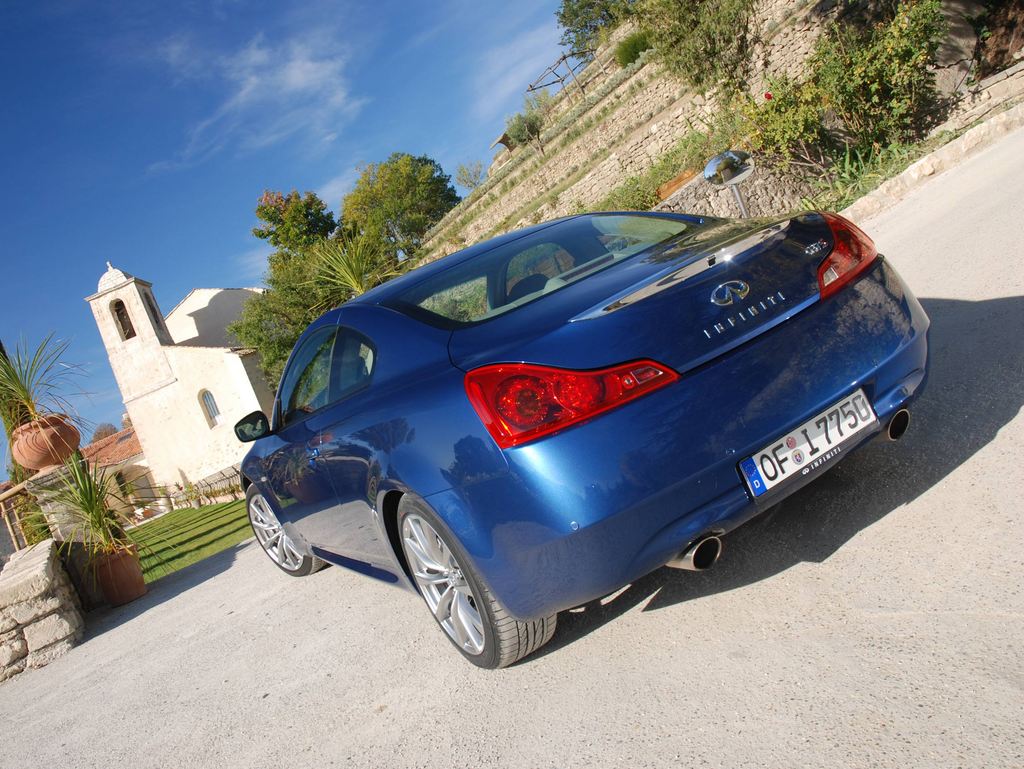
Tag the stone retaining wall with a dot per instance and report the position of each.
(982, 100)
(639, 121)
(768, 192)
(40, 618)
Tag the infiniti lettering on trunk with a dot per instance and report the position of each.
(749, 312)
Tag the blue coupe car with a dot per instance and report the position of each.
(540, 419)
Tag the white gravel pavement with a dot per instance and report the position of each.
(875, 619)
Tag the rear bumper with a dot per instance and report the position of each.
(585, 511)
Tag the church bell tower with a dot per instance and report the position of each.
(133, 332)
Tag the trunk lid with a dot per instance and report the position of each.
(682, 304)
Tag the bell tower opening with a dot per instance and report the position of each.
(122, 319)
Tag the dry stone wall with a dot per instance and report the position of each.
(633, 125)
(40, 618)
(768, 192)
(631, 103)
(789, 33)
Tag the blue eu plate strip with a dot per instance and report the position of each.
(753, 475)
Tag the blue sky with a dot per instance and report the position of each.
(143, 133)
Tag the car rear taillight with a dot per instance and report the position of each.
(852, 253)
(519, 402)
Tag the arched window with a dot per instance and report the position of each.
(210, 409)
(122, 319)
(154, 313)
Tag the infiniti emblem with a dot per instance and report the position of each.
(730, 291)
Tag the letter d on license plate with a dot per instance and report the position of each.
(810, 446)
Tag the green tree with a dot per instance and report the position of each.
(527, 126)
(272, 321)
(582, 20)
(398, 201)
(292, 222)
(470, 175)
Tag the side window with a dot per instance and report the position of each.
(306, 386)
(354, 359)
(462, 302)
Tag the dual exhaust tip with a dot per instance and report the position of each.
(703, 553)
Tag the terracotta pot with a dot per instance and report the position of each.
(46, 441)
(120, 576)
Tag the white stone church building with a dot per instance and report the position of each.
(183, 382)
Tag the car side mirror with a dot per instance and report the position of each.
(252, 427)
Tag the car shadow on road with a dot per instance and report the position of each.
(975, 387)
(107, 618)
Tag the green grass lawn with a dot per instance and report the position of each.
(184, 536)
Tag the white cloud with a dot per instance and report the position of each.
(272, 92)
(506, 70)
(333, 190)
(252, 264)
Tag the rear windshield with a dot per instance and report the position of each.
(526, 269)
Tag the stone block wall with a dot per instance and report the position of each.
(40, 618)
(633, 125)
(984, 99)
(631, 104)
(768, 192)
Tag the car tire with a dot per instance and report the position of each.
(471, 617)
(270, 536)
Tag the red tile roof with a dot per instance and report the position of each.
(113, 449)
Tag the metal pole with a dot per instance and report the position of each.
(740, 201)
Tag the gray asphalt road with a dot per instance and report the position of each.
(872, 620)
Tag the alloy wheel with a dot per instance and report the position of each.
(443, 584)
(271, 536)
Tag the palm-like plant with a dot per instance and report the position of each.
(100, 531)
(32, 381)
(348, 266)
(84, 496)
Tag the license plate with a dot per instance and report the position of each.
(814, 443)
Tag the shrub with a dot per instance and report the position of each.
(875, 86)
(785, 123)
(35, 528)
(707, 43)
(857, 172)
(634, 194)
(879, 82)
(629, 49)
